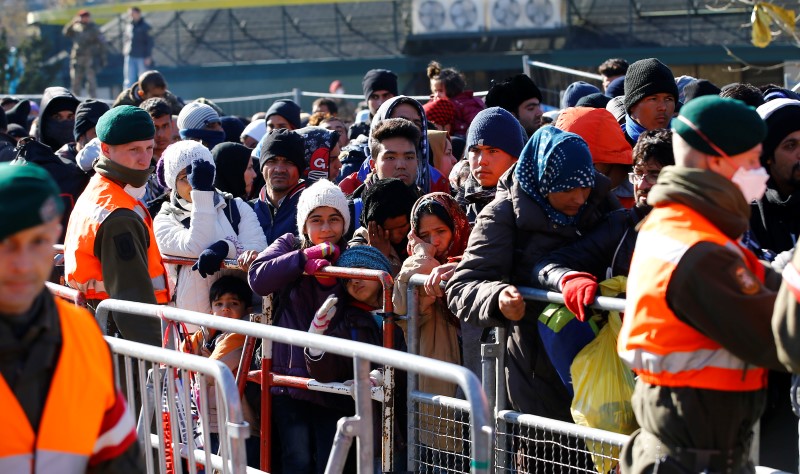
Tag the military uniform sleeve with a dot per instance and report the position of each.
(121, 246)
(713, 291)
(785, 324)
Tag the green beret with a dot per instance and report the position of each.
(730, 124)
(28, 197)
(125, 124)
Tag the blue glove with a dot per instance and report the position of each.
(210, 261)
(201, 175)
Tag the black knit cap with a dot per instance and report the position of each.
(285, 143)
(782, 117)
(647, 77)
(287, 109)
(512, 92)
(597, 100)
(385, 199)
(699, 88)
(379, 80)
(86, 116)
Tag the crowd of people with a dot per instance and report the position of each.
(685, 188)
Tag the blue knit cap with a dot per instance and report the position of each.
(575, 92)
(551, 162)
(497, 128)
(364, 256)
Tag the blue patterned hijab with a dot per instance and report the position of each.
(554, 161)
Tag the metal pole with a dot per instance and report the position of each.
(297, 95)
(526, 65)
(363, 394)
(412, 307)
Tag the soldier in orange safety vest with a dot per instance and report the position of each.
(61, 411)
(110, 250)
(697, 324)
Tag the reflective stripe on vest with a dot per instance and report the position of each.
(81, 268)
(81, 391)
(658, 346)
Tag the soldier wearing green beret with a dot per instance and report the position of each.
(697, 322)
(87, 421)
(110, 250)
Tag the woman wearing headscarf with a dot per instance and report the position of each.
(546, 200)
(235, 172)
(438, 237)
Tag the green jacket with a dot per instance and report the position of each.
(87, 39)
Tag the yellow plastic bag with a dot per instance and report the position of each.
(603, 389)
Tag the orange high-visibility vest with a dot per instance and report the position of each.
(81, 267)
(81, 391)
(659, 347)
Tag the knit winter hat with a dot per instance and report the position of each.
(601, 132)
(255, 129)
(698, 88)
(497, 128)
(86, 116)
(440, 111)
(512, 92)
(287, 109)
(575, 92)
(180, 155)
(286, 143)
(647, 77)
(28, 197)
(364, 256)
(681, 82)
(317, 151)
(729, 124)
(782, 117)
(595, 101)
(322, 193)
(379, 80)
(616, 88)
(554, 161)
(125, 124)
(19, 113)
(195, 116)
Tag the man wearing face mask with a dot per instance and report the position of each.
(56, 117)
(697, 322)
(110, 250)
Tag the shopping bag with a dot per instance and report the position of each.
(603, 390)
(563, 336)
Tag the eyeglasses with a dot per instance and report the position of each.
(635, 178)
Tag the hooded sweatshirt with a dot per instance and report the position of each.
(51, 133)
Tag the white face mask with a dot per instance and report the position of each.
(137, 193)
(752, 183)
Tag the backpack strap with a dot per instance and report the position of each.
(232, 213)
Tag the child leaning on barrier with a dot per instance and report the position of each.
(352, 318)
(304, 420)
(229, 297)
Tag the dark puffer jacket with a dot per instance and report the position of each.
(608, 246)
(775, 221)
(511, 234)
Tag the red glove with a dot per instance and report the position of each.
(578, 290)
(324, 250)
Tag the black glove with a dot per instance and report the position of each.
(210, 261)
(201, 175)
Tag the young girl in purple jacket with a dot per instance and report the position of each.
(305, 421)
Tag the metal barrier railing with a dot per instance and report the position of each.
(72, 295)
(170, 391)
(541, 433)
(360, 425)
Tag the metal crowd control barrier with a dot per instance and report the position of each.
(67, 293)
(522, 442)
(171, 391)
(266, 379)
(360, 425)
